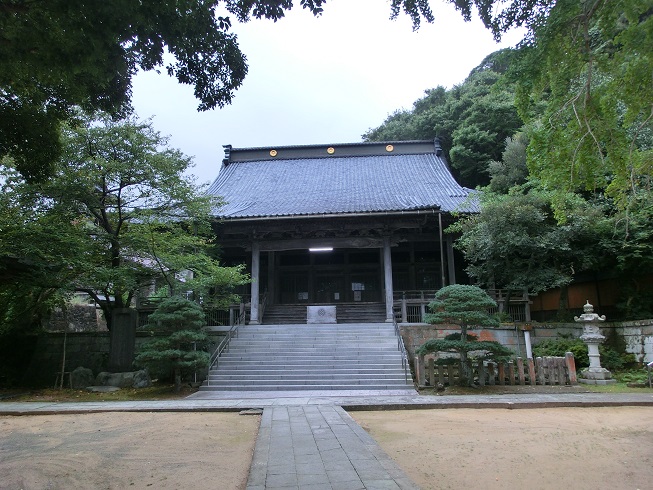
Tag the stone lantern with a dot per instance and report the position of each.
(592, 337)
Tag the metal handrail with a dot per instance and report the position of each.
(401, 347)
(224, 344)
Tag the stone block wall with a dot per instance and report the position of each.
(86, 349)
(416, 334)
(77, 318)
(638, 335)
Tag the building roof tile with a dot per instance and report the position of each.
(342, 182)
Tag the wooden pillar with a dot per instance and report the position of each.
(387, 268)
(451, 265)
(256, 263)
(272, 280)
(441, 236)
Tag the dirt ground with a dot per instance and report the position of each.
(580, 448)
(127, 450)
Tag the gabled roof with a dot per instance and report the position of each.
(389, 177)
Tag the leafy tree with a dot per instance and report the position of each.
(511, 170)
(118, 214)
(471, 119)
(57, 56)
(517, 243)
(180, 351)
(37, 252)
(589, 64)
(465, 306)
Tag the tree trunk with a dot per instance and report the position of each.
(464, 372)
(177, 380)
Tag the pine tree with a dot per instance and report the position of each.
(180, 351)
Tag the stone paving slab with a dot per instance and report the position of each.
(319, 447)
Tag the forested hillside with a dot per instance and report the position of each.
(472, 119)
(558, 134)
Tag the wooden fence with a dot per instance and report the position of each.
(541, 371)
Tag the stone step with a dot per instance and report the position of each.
(263, 358)
(308, 380)
(311, 357)
(322, 330)
(273, 349)
(284, 387)
(275, 362)
(313, 371)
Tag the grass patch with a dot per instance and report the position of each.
(156, 392)
(538, 389)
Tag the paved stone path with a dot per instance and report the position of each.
(319, 447)
(308, 441)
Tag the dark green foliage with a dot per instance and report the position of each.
(516, 242)
(612, 351)
(584, 85)
(120, 212)
(639, 376)
(465, 306)
(472, 120)
(559, 346)
(475, 350)
(174, 314)
(181, 351)
(457, 336)
(57, 56)
(462, 305)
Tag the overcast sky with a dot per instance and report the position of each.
(318, 80)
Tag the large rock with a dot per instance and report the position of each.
(142, 379)
(81, 378)
(129, 379)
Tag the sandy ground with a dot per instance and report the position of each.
(579, 448)
(127, 450)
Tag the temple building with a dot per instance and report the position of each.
(341, 224)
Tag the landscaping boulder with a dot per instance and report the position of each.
(81, 378)
(129, 379)
(142, 379)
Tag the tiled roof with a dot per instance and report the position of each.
(293, 185)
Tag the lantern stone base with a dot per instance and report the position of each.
(596, 376)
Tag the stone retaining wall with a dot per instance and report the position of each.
(77, 318)
(638, 335)
(86, 349)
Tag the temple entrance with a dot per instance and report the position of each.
(329, 277)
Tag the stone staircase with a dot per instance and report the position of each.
(311, 357)
(346, 313)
